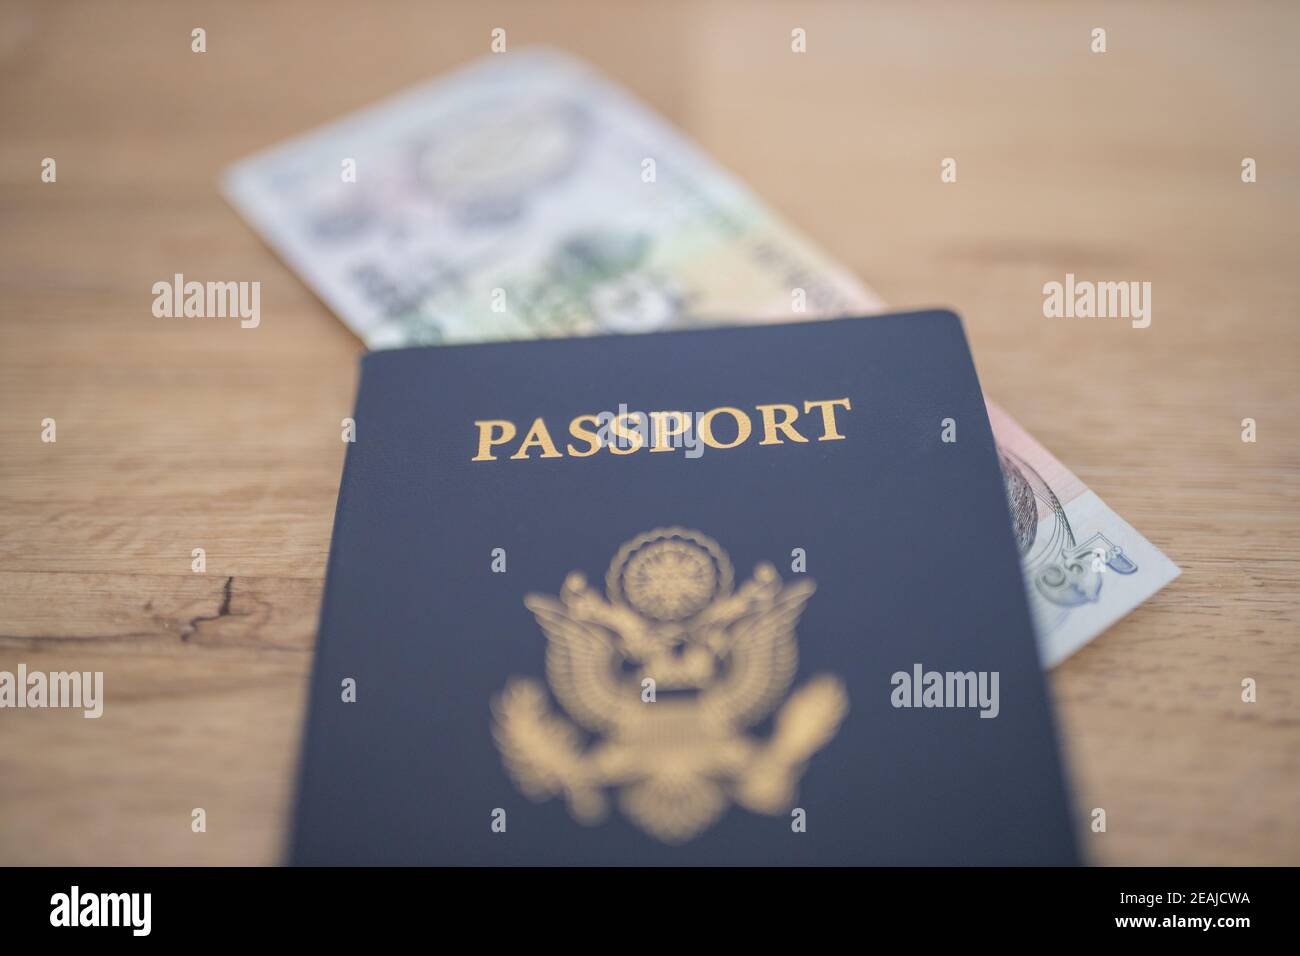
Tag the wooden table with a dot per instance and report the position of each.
(174, 435)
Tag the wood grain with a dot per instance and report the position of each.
(181, 434)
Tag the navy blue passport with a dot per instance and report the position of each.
(734, 596)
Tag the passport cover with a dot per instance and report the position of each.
(553, 633)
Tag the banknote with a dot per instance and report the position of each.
(1085, 567)
(527, 196)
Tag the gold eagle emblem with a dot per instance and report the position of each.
(665, 672)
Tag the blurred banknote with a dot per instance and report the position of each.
(1085, 567)
(527, 196)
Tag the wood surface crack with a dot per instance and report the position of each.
(192, 627)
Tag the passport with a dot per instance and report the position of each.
(733, 596)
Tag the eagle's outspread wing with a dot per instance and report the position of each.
(763, 653)
(542, 751)
(581, 664)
